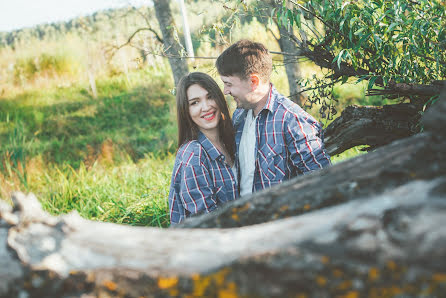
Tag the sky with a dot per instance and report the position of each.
(16, 14)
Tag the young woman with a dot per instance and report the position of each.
(203, 176)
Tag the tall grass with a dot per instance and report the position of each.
(129, 193)
(108, 158)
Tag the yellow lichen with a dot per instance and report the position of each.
(391, 265)
(347, 284)
(284, 208)
(325, 259)
(439, 277)
(321, 281)
(235, 216)
(167, 282)
(216, 281)
(351, 294)
(230, 291)
(307, 207)
(337, 273)
(110, 285)
(373, 274)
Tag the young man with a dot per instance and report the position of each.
(275, 138)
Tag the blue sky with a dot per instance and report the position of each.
(15, 14)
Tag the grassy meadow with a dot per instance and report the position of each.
(105, 150)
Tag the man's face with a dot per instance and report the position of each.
(239, 89)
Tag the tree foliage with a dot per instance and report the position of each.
(398, 46)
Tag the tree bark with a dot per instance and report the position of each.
(291, 65)
(172, 46)
(372, 126)
(394, 242)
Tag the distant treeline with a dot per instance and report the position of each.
(106, 21)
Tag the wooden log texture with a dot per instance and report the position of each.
(420, 157)
(372, 126)
(392, 243)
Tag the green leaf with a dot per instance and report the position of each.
(361, 78)
(297, 19)
(290, 16)
(393, 25)
(372, 82)
(359, 31)
(352, 21)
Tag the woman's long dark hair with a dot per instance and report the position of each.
(187, 129)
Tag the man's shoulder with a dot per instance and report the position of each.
(283, 104)
(288, 110)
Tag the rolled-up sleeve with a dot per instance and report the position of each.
(304, 143)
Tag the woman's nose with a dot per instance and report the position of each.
(205, 105)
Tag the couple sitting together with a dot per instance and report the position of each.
(270, 139)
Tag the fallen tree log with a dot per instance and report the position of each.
(393, 243)
(372, 126)
(420, 157)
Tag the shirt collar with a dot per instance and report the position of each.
(269, 105)
(208, 146)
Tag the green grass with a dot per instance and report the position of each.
(347, 154)
(109, 158)
(130, 193)
(61, 123)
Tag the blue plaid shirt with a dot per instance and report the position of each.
(289, 141)
(201, 180)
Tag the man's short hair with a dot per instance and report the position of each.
(244, 58)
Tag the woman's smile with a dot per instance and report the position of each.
(209, 116)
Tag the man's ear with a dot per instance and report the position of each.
(255, 81)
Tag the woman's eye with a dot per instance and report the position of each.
(192, 103)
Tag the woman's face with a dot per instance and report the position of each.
(203, 109)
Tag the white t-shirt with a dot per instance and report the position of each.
(247, 154)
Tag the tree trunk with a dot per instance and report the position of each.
(291, 65)
(172, 46)
(372, 126)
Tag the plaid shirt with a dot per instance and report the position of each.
(289, 141)
(201, 180)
